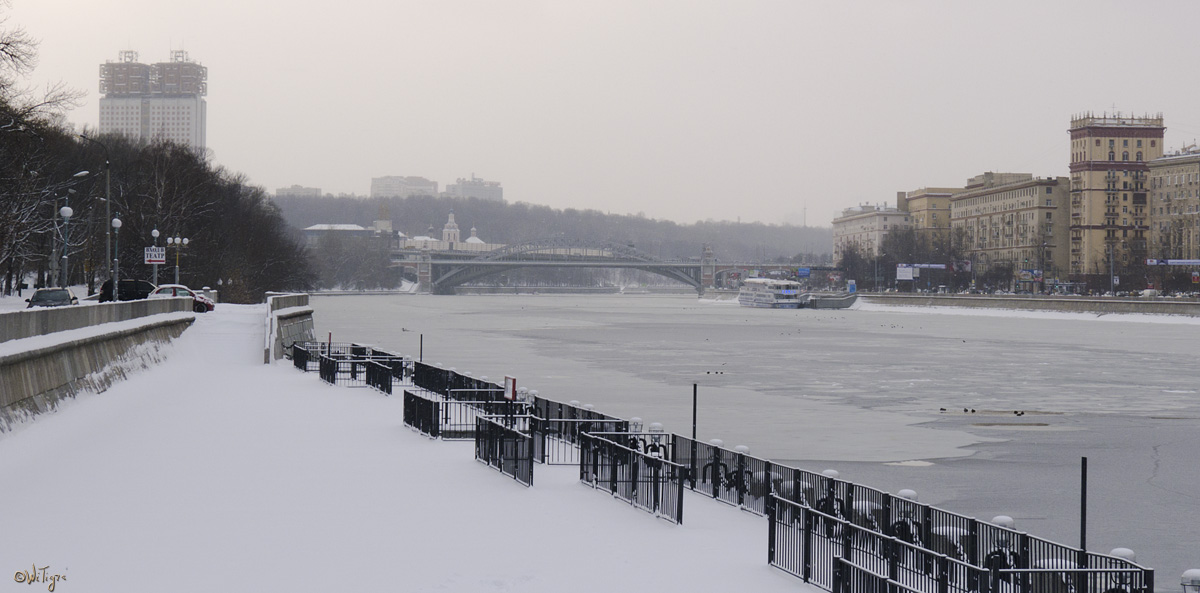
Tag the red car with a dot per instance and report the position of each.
(200, 303)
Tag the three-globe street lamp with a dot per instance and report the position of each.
(116, 260)
(179, 244)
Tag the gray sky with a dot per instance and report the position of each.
(685, 110)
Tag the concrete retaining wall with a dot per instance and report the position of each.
(1040, 303)
(289, 319)
(34, 381)
(46, 320)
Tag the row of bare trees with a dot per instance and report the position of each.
(238, 242)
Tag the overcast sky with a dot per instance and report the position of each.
(685, 110)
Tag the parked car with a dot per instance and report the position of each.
(129, 289)
(52, 297)
(200, 303)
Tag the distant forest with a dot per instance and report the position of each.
(502, 222)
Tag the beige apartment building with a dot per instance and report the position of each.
(1175, 205)
(865, 226)
(1110, 214)
(929, 209)
(1016, 221)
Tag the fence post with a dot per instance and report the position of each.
(847, 524)
(972, 553)
(771, 514)
(741, 481)
(943, 573)
(808, 541)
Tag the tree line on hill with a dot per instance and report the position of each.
(509, 223)
(238, 242)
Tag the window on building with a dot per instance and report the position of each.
(1112, 143)
(1112, 156)
(1125, 155)
(1097, 142)
(1139, 155)
(1153, 143)
(1139, 143)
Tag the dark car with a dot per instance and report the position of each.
(52, 297)
(130, 289)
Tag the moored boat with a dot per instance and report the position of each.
(770, 293)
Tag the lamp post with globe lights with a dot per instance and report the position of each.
(66, 213)
(154, 266)
(116, 260)
(178, 243)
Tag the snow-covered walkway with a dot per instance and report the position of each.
(214, 472)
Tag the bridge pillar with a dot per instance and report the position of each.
(708, 268)
(424, 272)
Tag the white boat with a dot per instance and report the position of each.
(770, 293)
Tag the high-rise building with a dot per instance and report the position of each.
(151, 102)
(402, 187)
(1109, 209)
(476, 188)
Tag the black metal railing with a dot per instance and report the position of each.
(650, 483)
(836, 553)
(505, 447)
(879, 538)
(422, 414)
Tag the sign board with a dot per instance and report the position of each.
(510, 388)
(904, 272)
(1173, 262)
(1195, 277)
(851, 286)
(803, 272)
(1116, 280)
(156, 255)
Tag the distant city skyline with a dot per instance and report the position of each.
(763, 111)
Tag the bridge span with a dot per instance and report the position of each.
(439, 272)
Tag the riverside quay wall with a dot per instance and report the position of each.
(47, 355)
(1190, 307)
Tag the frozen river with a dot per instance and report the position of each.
(877, 393)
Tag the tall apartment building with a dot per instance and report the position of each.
(1016, 221)
(1175, 206)
(402, 187)
(864, 227)
(151, 102)
(1109, 186)
(476, 188)
(929, 210)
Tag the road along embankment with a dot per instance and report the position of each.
(47, 355)
(1151, 306)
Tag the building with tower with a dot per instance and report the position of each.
(1110, 213)
(155, 102)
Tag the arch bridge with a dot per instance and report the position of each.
(439, 272)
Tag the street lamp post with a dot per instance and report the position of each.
(178, 243)
(66, 213)
(115, 263)
(107, 206)
(154, 234)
